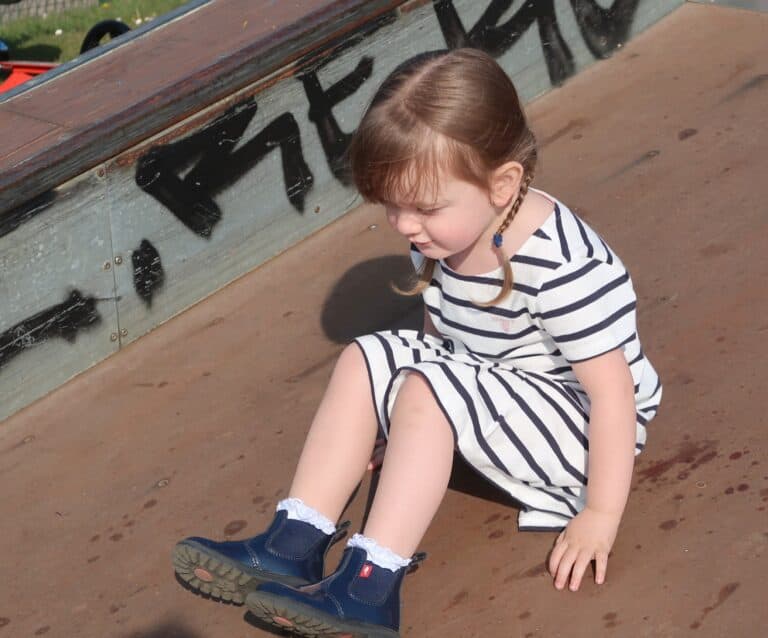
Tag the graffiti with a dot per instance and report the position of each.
(12, 219)
(190, 198)
(321, 103)
(148, 273)
(603, 30)
(497, 39)
(64, 320)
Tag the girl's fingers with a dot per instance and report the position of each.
(579, 567)
(601, 566)
(556, 555)
(564, 568)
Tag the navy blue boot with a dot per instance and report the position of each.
(290, 552)
(359, 600)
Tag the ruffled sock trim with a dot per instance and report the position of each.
(378, 555)
(298, 510)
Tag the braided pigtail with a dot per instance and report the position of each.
(420, 282)
(506, 287)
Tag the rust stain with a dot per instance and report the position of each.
(724, 594)
(459, 598)
(572, 125)
(687, 453)
(234, 527)
(753, 83)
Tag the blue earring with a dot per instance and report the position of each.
(497, 240)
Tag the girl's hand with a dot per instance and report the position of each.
(589, 536)
(377, 457)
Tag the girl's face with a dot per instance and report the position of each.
(459, 218)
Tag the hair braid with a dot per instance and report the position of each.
(526, 182)
(506, 286)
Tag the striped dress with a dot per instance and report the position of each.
(502, 375)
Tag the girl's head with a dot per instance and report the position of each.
(451, 114)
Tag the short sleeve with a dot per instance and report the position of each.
(417, 258)
(588, 307)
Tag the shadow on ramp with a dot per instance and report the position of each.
(362, 301)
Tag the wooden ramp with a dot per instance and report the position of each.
(195, 428)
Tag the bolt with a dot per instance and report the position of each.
(107, 265)
(123, 332)
(118, 260)
(113, 336)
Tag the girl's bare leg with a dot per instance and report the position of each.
(340, 439)
(416, 469)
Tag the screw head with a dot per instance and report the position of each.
(118, 260)
(107, 265)
(123, 332)
(113, 336)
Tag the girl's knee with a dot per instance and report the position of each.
(351, 361)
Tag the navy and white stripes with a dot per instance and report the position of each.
(503, 375)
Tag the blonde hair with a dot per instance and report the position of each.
(454, 111)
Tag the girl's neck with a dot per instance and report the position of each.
(481, 258)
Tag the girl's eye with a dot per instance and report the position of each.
(427, 209)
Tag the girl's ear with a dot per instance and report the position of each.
(505, 183)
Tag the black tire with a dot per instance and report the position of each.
(112, 28)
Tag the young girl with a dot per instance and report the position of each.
(529, 365)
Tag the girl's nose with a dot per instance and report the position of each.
(407, 223)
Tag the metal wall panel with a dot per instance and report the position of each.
(58, 314)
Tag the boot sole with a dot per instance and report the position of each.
(214, 575)
(304, 620)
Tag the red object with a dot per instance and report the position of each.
(366, 571)
(21, 72)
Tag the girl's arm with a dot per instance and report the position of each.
(612, 426)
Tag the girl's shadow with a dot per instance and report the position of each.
(363, 301)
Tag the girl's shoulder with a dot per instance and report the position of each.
(565, 238)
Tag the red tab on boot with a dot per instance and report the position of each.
(366, 571)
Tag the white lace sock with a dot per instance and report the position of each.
(298, 510)
(378, 555)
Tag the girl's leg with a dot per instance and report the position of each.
(415, 472)
(363, 595)
(340, 440)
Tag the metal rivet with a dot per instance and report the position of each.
(317, 209)
(123, 332)
(113, 336)
(118, 260)
(107, 265)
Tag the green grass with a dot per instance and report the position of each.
(36, 39)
